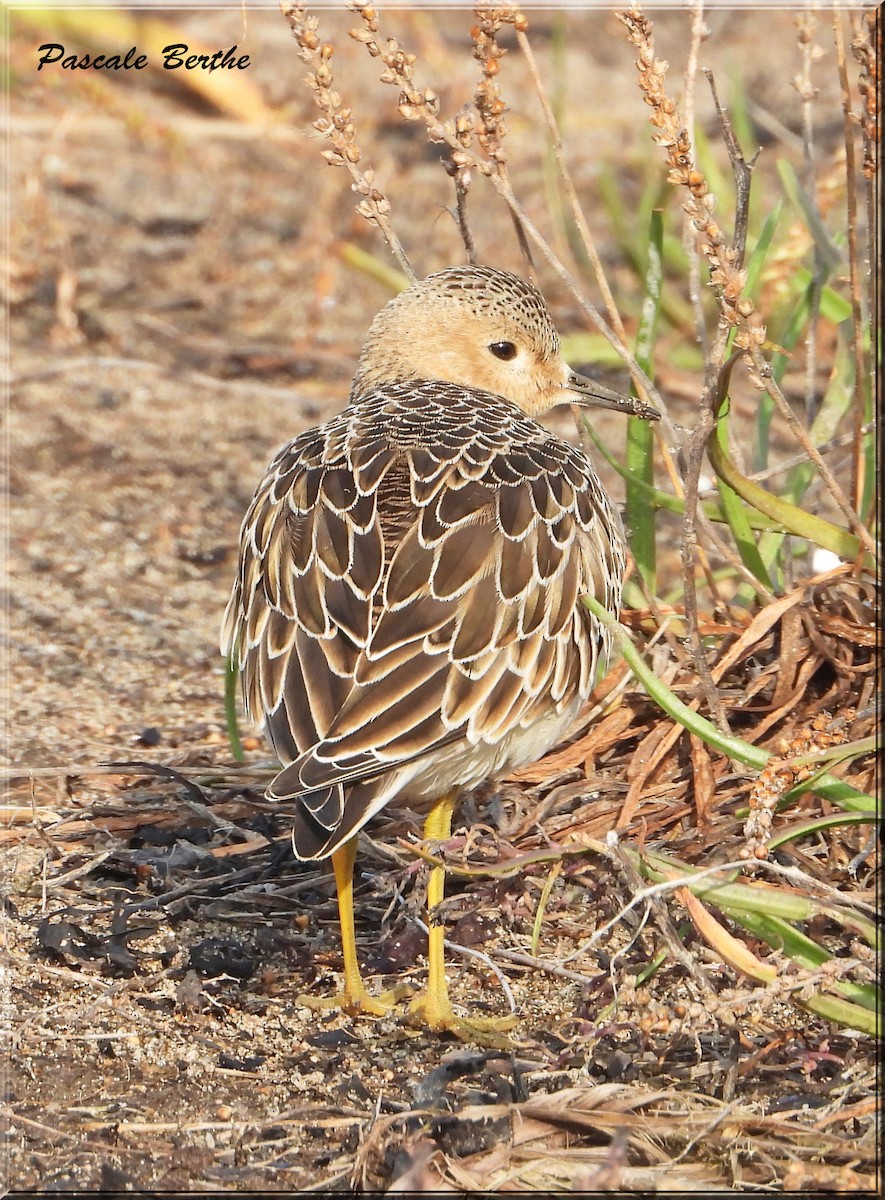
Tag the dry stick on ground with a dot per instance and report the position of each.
(337, 125)
(860, 367)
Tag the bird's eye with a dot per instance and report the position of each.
(503, 350)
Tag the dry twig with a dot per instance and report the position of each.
(860, 367)
(689, 238)
(810, 53)
(488, 100)
(336, 123)
(417, 104)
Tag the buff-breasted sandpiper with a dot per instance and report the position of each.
(407, 612)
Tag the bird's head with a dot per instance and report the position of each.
(479, 328)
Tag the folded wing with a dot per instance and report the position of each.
(409, 580)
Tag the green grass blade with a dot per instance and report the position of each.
(652, 968)
(841, 1012)
(765, 411)
(231, 676)
(825, 785)
(832, 306)
(803, 951)
(838, 792)
(794, 519)
(639, 456)
(816, 825)
(771, 914)
(741, 896)
(787, 340)
(756, 260)
(736, 515)
(552, 876)
(374, 267)
(736, 748)
(871, 476)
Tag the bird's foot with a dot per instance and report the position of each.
(358, 1002)
(431, 1011)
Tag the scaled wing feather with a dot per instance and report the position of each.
(410, 579)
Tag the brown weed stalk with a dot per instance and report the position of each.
(458, 135)
(698, 31)
(727, 280)
(810, 53)
(727, 277)
(865, 48)
(487, 98)
(738, 316)
(336, 123)
(860, 368)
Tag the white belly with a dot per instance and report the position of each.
(464, 766)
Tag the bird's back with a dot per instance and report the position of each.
(406, 612)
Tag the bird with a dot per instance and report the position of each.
(407, 615)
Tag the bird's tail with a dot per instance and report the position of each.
(323, 819)
(313, 840)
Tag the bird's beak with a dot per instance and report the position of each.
(589, 394)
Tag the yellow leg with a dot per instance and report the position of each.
(342, 865)
(354, 998)
(434, 1006)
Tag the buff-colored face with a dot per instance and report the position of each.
(472, 326)
(483, 329)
